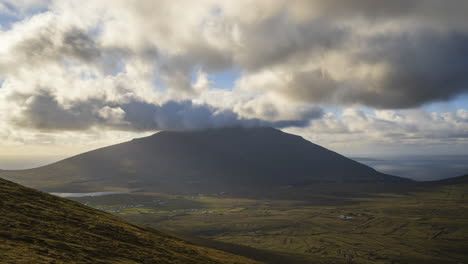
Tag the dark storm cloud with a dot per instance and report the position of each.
(43, 112)
(421, 67)
(279, 40)
(418, 68)
(444, 13)
(183, 115)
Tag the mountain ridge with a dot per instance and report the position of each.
(454, 180)
(223, 159)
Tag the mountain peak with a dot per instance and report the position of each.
(243, 129)
(234, 158)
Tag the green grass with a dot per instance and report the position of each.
(418, 224)
(40, 228)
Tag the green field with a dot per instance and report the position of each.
(421, 223)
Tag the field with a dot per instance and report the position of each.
(421, 223)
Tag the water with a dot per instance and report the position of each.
(68, 195)
(419, 168)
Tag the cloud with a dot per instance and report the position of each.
(390, 132)
(43, 111)
(390, 71)
(42, 40)
(14, 10)
(387, 55)
(186, 115)
(81, 65)
(433, 12)
(418, 68)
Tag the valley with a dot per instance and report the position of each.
(266, 195)
(420, 223)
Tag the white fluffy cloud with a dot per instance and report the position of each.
(354, 131)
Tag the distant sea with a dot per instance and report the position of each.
(419, 168)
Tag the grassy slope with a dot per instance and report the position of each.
(421, 223)
(41, 228)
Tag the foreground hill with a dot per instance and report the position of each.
(41, 228)
(211, 160)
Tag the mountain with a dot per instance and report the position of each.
(41, 228)
(212, 160)
(455, 180)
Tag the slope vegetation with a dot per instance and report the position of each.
(41, 228)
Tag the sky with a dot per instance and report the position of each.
(362, 77)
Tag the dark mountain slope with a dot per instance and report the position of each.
(455, 180)
(208, 160)
(40, 228)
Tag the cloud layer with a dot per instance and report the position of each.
(389, 132)
(148, 65)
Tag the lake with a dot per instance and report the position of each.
(68, 195)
